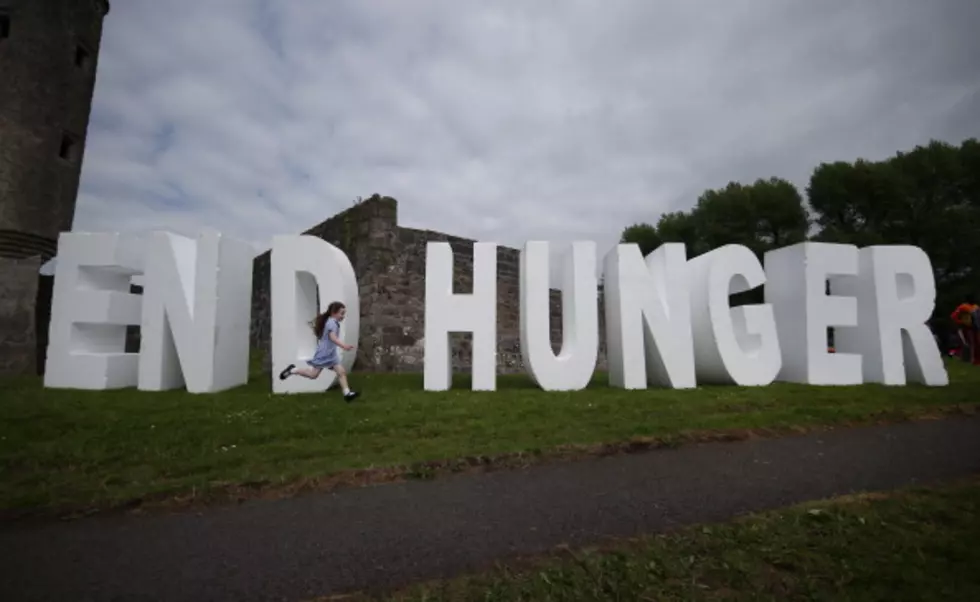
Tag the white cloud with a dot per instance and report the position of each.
(506, 121)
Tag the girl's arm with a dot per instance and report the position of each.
(336, 341)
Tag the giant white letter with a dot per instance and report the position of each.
(305, 268)
(796, 281)
(896, 294)
(197, 303)
(732, 345)
(90, 310)
(447, 312)
(648, 318)
(575, 364)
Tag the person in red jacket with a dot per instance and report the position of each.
(965, 317)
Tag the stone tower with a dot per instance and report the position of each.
(48, 56)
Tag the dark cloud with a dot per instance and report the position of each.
(507, 121)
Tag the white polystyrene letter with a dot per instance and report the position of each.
(732, 345)
(575, 364)
(896, 294)
(796, 281)
(446, 312)
(196, 311)
(304, 268)
(648, 318)
(90, 310)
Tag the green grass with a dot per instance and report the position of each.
(916, 545)
(71, 450)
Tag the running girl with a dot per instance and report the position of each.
(326, 326)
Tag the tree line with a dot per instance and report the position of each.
(928, 197)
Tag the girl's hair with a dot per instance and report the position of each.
(320, 322)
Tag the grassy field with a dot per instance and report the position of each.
(911, 545)
(66, 451)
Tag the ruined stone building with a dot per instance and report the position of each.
(389, 261)
(48, 57)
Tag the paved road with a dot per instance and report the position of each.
(391, 534)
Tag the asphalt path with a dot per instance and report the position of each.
(389, 535)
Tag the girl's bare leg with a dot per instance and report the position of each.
(308, 372)
(341, 377)
(349, 395)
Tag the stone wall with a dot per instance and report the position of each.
(18, 296)
(389, 261)
(366, 233)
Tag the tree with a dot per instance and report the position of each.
(852, 201)
(644, 235)
(970, 161)
(765, 215)
(762, 216)
(678, 226)
(928, 197)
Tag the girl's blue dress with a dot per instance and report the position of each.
(327, 355)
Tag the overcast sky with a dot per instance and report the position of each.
(499, 120)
